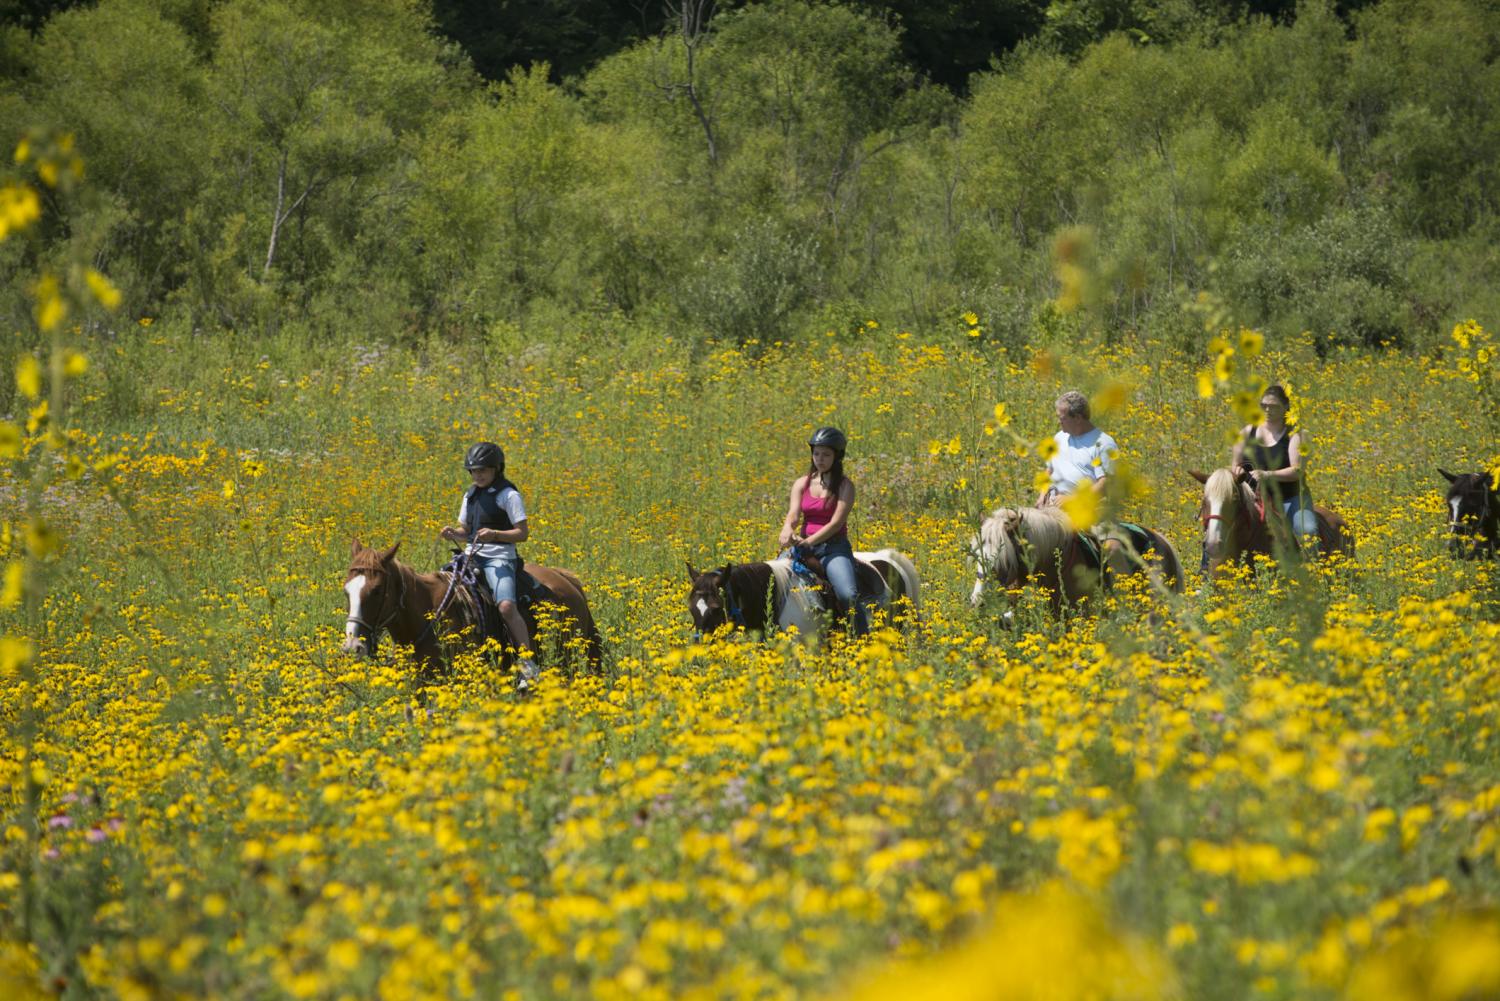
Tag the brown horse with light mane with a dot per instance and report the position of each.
(386, 595)
(1234, 526)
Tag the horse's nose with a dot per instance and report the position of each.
(355, 645)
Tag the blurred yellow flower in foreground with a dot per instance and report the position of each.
(1051, 945)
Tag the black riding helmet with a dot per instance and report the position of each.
(830, 436)
(484, 455)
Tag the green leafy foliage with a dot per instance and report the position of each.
(258, 162)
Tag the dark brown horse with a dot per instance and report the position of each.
(1473, 515)
(1235, 525)
(1040, 546)
(386, 595)
(743, 594)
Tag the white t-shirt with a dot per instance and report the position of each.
(510, 500)
(1087, 456)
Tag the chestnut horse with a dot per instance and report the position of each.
(386, 595)
(1040, 546)
(740, 594)
(1234, 526)
(1473, 515)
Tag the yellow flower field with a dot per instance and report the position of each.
(1287, 786)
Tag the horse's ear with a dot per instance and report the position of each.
(389, 554)
(357, 547)
(1200, 477)
(1447, 475)
(693, 575)
(724, 574)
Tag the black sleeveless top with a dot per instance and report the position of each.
(1277, 455)
(485, 509)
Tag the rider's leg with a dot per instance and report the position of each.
(838, 564)
(501, 577)
(1303, 520)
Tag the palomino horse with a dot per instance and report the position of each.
(1234, 527)
(1040, 546)
(1473, 515)
(386, 595)
(740, 594)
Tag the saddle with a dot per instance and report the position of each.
(867, 580)
(476, 592)
(1140, 539)
(1328, 531)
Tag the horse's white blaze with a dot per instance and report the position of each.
(984, 558)
(702, 608)
(1215, 535)
(355, 585)
(1453, 503)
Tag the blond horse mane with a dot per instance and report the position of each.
(1222, 486)
(1046, 529)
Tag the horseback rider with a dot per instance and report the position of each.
(493, 518)
(1269, 454)
(1083, 459)
(820, 501)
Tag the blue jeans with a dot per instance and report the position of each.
(500, 575)
(1304, 521)
(838, 564)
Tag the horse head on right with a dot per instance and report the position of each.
(1473, 514)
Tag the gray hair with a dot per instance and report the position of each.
(1074, 404)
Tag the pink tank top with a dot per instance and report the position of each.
(817, 512)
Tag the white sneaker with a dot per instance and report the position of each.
(529, 673)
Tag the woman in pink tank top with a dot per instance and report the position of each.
(820, 502)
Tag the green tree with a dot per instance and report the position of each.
(311, 115)
(128, 81)
(491, 225)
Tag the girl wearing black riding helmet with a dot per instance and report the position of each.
(820, 502)
(493, 518)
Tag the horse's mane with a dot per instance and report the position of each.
(1222, 486)
(368, 561)
(1047, 529)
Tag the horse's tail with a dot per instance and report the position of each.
(910, 583)
(1334, 533)
(594, 643)
(1171, 563)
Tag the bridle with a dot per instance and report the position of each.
(731, 607)
(372, 631)
(1472, 525)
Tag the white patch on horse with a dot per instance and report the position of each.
(1453, 503)
(354, 587)
(702, 608)
(1215, 535)
(802, 603)
(984, 560)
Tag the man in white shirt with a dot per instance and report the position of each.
(1085, 460)
(1085, 454)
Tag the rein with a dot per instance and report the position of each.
(736, 614)
(442, 607)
